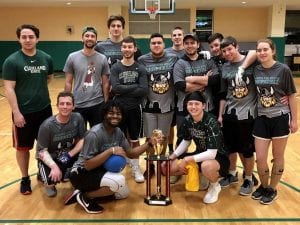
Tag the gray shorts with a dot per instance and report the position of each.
(154, 121)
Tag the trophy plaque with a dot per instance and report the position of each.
(158, 198)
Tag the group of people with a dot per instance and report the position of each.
(230, 104)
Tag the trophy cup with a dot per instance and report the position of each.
(158, 198)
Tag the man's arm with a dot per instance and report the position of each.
(78, 146)
(10, 93)
(105, 86)
(68, 82)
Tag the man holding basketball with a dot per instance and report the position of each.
(90, 175)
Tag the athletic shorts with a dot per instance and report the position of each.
(223, 161)
(132, 123)
(23, 138)
(91, 115)
(238, 137)
(85, 180)
(269, 128)
(44, 171)
(160, 121)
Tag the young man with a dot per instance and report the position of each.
(237, 114)
(59, 141)
(26, 74)
(158, 107)
(111, 47)
(130, 85)
(210, 154)
(89, 70)
(88, 174)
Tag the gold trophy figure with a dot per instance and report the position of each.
(158, 198)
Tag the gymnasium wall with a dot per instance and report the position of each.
(247, 25)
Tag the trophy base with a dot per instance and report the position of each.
(162, 200)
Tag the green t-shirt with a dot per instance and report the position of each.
(30, 74)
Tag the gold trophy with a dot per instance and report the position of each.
(158, 198)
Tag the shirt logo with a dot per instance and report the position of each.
(32, 61)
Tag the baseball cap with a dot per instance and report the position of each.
(90, 29)
(191, 35)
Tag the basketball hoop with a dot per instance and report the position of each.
(152, 13)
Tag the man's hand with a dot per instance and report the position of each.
(240, 73)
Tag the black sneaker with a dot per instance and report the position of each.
(258, 193)
(254, 179)
(246, 188)
(70, 199)
(269, 196)
(88, 204)
(25, 187)
(152, 172)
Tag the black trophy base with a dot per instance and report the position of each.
(154, 200)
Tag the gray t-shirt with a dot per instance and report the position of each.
(185, 67)
(87, 72)
(241, 98)
(179, 53)
(160, 98)
(129, 84)
(58, 138)
(97, 140)
(272, 84)
(112, 51)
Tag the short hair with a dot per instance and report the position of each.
(215, 36)
(129, 39)
(270, 43)
(90, 29)
(35, 30)
(177, 28)
(115, 17)
(228, 41)
(65, 94)
(154, 35)
(109, 105)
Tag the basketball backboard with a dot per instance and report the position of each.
(152, 6)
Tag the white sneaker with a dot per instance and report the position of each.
(212, 194)
(137, 174)
(204, 183)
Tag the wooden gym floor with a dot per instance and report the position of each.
(187, 207)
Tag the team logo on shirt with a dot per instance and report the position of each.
(240, 87)
(88, 81)
(267, 98)
(160, 83)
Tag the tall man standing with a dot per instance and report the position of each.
(89, 70)
(130, 86)
(26, 74)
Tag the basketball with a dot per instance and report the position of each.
(115, 163)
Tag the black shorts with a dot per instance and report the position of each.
(132, 123)
(223, 161)
(85, 181)
(238, 137)
(91, 115)
(269, 128)
(23, 138)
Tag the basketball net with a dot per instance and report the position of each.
(152, 13)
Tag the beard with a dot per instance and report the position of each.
(89, 45)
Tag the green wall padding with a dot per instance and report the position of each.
(280, 47)
(59, 50)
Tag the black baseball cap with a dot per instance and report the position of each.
(191, 35)
(90, 29)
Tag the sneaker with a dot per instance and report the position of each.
(254, 179)
(137, 174)
(174, 179)
(70, 199)
(152, 172)
(25, 187)
(229, 179)
(204, 183)
(89, 205)
(212, 194)
(51, 191)
(246, 188)
(269, 196)
(258, 193)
